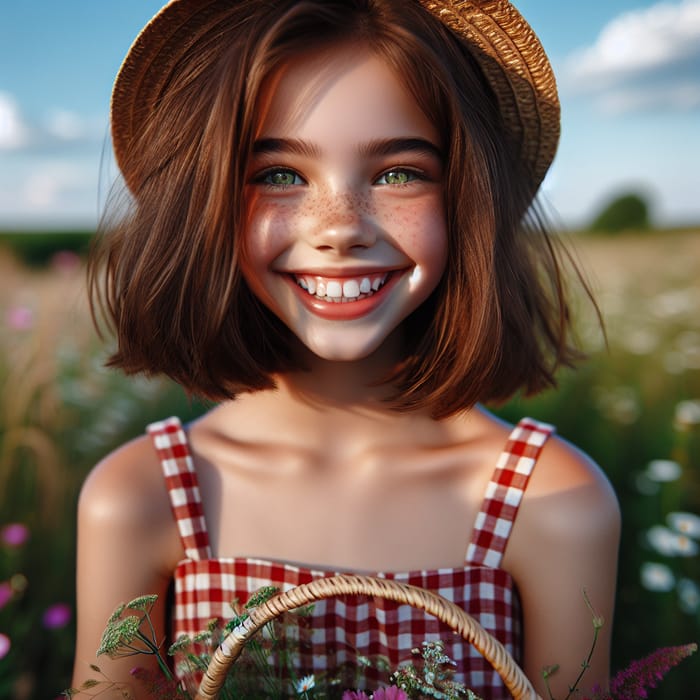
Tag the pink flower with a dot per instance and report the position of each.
(14, 534)
(645, 674)
(20, 318)
(57, 616)
(6, 593)
(354, 695)
(4, 645)
(390, 693)
(65, 261)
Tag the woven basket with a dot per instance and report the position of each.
(447, 612)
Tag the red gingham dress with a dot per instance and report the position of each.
(345, 626)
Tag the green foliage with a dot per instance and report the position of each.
(627, 212)
(62, 411)
(37, 249)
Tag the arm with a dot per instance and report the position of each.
(565, 541)
(127, 547)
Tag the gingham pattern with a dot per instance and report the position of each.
(505, 492)
(347, 626)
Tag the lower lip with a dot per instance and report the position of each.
(345, 311)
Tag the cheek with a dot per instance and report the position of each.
(267, 230)
(420, 230)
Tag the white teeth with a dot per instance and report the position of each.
(334, 290)
(351, 289)
(341, 291)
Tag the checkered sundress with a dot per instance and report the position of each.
(344, 627)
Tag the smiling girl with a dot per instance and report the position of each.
(330, 234)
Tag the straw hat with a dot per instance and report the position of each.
(505, 46)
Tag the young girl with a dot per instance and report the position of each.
(331, 234)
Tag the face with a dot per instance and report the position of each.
(345, 233)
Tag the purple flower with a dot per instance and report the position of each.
(57, 616)
(354, 695)
(4, 645)
(644, 674)
(14, 534)
(390, 693)
(6, 593)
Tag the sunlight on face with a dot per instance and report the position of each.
(346, 230)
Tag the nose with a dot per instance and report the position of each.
(344, 223)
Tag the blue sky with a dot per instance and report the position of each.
(628, 72)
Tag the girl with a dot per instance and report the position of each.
(328, 234)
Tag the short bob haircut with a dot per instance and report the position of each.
(166, 276)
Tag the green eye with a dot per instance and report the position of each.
(396, 177)
(281, 178)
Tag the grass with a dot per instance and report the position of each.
(60, 411)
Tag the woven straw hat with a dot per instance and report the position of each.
(505, 46)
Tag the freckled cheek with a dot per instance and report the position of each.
(420, 230)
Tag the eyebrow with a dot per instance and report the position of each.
(375, 148)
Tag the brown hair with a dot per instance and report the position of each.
(173, 291)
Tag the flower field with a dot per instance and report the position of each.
(634, 407)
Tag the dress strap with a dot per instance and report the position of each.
(505, 491)
(173, 451)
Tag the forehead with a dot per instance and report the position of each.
(342, 91)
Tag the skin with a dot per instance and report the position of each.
(351, 481)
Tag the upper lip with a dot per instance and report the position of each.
(345, 271)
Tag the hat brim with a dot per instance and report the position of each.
(501, 41)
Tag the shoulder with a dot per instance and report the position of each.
(127, 489)
(569, 503)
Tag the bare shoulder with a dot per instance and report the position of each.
(569, 503)
(127, 489)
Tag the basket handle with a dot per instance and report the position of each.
(304, 594)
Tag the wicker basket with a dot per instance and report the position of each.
(447, 612)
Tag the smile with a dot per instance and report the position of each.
(340, 291)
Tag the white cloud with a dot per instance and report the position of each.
(642, 59)
(14, 133)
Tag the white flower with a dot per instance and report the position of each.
(656, 577)
(688, 596)
(304, 685)
(670, 543)
(685, 523)
(688, 414)
(663, 470)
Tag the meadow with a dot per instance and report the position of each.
(634, 406)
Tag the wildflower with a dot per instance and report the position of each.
(65, 261)
(390, 693)
(355, 695)
(688, 596)
(670, 543)
(6, 593)
(687, 414)
(119, 634)
(57, 616)
(4, 645)
(657, 577)
(685, 523)
(305, 684)
(20, 318)
(144, 602)
(663, 470)
(14, 534)
(644, 674)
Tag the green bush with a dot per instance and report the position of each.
(627, 212)
(37, 249)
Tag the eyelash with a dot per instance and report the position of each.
(261, 178)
